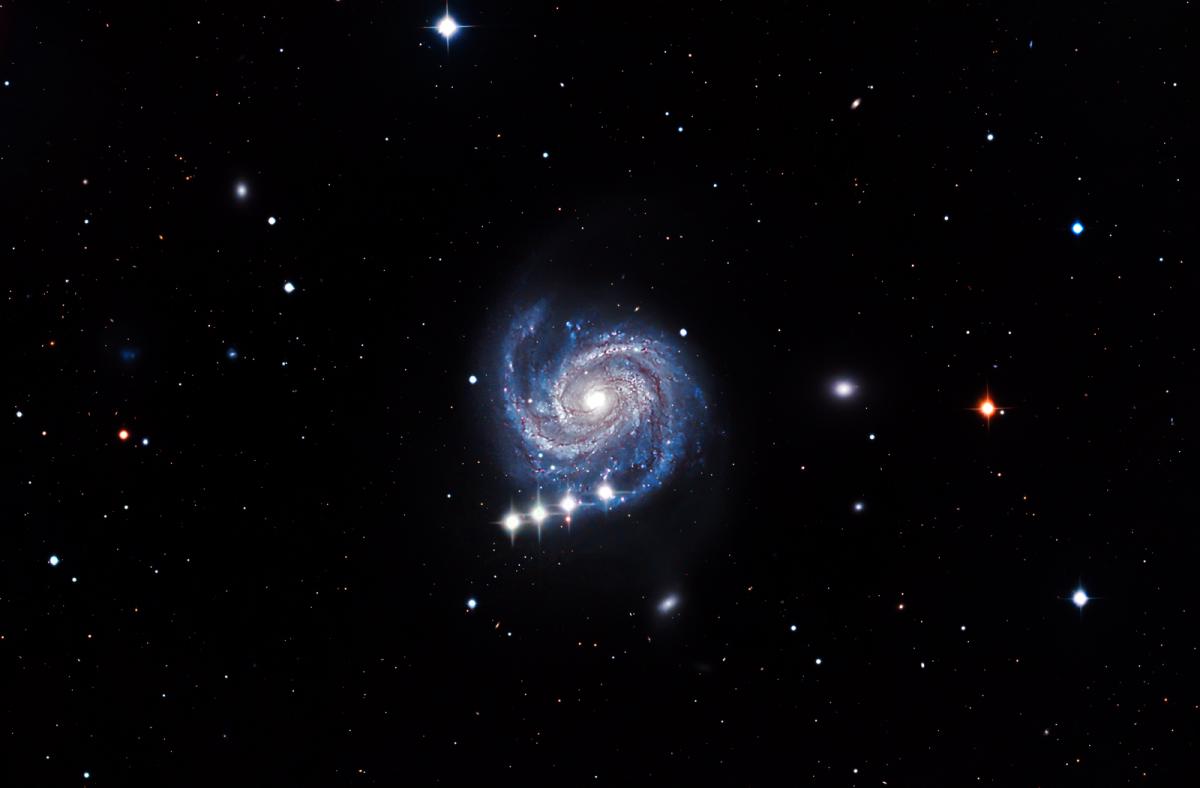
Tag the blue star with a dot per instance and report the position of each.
(1077, 228)
(447, 27)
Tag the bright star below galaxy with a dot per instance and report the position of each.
(597, 414)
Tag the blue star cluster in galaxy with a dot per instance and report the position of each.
(598, 413)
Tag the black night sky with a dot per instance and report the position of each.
(260, 264)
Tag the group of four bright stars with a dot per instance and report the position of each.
(567, 504)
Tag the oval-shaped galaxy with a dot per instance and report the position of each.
(600, 413)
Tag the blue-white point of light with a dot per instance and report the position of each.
(1077, 228)
(472, 380)
(1079, 598)
(668, 604)
(683, 331)
(990, 136)
(53, 560)
(145, 441)
(271, 220)
(289, 288)
(566, 505)
(472, 603)
(231, 353)
(447, 27)
(844, 388)
(859, 506)
(241, 190)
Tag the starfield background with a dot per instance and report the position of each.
(933, 265)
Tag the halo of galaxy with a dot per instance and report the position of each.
(603, 411)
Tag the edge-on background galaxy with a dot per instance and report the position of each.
(598, 415)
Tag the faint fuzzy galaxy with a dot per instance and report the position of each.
(598, 414)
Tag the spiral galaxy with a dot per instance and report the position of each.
(599, 415)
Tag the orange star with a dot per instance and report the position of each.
(987, 408)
